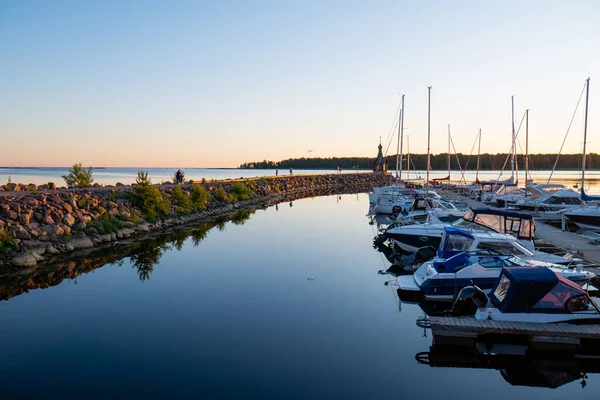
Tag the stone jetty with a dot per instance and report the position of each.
(39, 222)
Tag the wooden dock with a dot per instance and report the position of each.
(470, 327)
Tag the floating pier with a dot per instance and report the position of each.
(467, 331)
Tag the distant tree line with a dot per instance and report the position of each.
(438, 162)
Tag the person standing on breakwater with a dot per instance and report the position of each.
(179, 176)
(277, 172)
(291, 171)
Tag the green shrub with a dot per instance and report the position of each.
(79, 177)
(203, 180)
(239, 191)
(221, 195)
(142, 178)
(106, 225)
(181, 199)
(200, 197)
(6, 240)
(148, 198)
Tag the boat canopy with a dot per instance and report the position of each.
(586, 197)
(454, 241)
(518, 223)
(537, 290)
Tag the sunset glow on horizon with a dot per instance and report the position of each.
(216, 84)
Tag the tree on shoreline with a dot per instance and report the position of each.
(490, 162)
(78, 177)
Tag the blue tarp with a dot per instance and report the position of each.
(585, 197)
(533, 289)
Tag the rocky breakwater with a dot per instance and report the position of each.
(37, 223)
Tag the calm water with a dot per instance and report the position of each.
(110, 176)
(284, 304)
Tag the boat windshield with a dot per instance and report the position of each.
(466, 224)
(523, 228)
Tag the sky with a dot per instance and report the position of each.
(179, 83)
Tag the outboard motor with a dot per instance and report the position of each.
(469, 299)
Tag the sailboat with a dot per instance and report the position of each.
(585, 217)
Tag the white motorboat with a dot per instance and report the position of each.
(585, 217)
(469, 258)
(519, 224)
(539, 295)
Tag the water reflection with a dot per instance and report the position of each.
(144, 255)
(518, 364)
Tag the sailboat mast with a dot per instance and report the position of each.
(407, 156)
(448, 156)
(526, 149)
(428, 130)
(478, 153)
(401, 136)
(512, 149)
(398, 145)
(587, 96)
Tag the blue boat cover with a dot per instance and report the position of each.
(502, 212)
(533, 289)
(585, 197)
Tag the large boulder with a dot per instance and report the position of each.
(69, 220)
(24, 259)
(81, 242)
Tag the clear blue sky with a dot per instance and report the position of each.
(214, 84)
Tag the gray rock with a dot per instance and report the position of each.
(19, 232)
(25, 217)
(25, 259)
(113, 237)
(96, 239)
(106, 238)
(69, 220)
(51, 249)
(51, 185)
(81, 242)
(38, 257)
(128, 225)
(142, 228)
(34, 246)
(10, 214)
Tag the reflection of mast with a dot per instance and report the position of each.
(428, 130)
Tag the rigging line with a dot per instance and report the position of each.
(390, 135)
(457, 160)
(512, 148)
(567, 134)
(471, 154)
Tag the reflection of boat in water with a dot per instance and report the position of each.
(519, 364)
